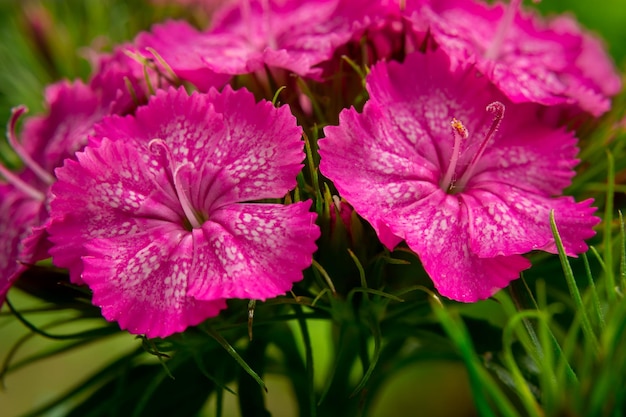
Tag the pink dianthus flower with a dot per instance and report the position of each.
(442, 159)
(551, 62)
(158, 214)
(44, 143)
(295, 35)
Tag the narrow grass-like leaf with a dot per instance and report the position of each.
(482, 384)
(308, 356)
(523, 391)
(85, 385)
(608, 223)
(598, 257)
(360, 268)
(595, 298)
(511, 306)
(343, 359)
(549, 385)
(148, 391)
(376, 292)
(41, 332)
(375, 328)
(276, 94)
(573, 287)
(622, 254)
(325, 275)
(232, 352)
(355, 67)
(317, 110)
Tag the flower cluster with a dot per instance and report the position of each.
(167, 203)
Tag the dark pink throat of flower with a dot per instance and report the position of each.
(454, 182)
(28, 161)
(193, 218)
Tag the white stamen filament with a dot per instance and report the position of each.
(41, 173)
(9, 175)
(503, 28)
(18, 183)
(267, 22)
(459, 132)
(159, 146)
(497, 109)
(246, 16)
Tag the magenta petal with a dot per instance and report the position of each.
(245, 150)
(107, 192)
(183, 48)
(141, 282)
(375, 167)
(468, 200)
(437, 229)
(543, 61)
(295, 35)
(73, 110)
(505, 220)
(542, 156)
(252, 251)
(463, 276)
(18, 214)
(144, 207)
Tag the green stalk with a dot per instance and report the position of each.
(608, 221)
(573, 287)
(232, 352)
(482, 384)
(507, 341)
(308, 352)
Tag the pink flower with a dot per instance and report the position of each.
(158, 217)
(46, 141)
(18, 213)
(529, 59)
(295, 35)
(121, 80)
(436, 160)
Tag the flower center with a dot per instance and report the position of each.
(28, 161)
(194, 218)
(451, 182)
(493, 52)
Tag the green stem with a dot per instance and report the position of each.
(573, 287)
(608, 222)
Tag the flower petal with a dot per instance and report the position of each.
(528, 155)
(184, 49)
(73, 110)
(107, 192)
(505, 220)
(541, 61)
(252, 251)
(246, 150)
(436, 228)
(18, 214)
(375, 166)
(141, 281)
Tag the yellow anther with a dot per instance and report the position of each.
(460, 128)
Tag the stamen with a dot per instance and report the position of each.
(459, 132)
(18, 183)
(267, 23)
(159, 147)
(497, 109)
(246, 16)
(44, 175)
(503, 28)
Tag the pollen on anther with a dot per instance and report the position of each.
(460, 128)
